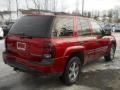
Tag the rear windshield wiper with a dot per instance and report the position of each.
(22, 35)
(26, 36)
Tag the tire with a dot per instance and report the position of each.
(1, 38)
(72, 71)
(110, 55)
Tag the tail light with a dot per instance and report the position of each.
(48, 53)
(48, 50)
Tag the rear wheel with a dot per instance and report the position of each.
(110, 55)
(72, 71)
(1, 38)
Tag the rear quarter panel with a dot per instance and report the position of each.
(63, 49)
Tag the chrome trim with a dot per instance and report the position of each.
(35, 55)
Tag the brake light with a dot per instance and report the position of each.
(47, 55)
(49, 50)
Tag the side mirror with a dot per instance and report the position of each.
(108, 32)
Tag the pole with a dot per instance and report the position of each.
(17, 7)
(83, 7)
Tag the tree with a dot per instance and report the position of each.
(9, 9)
(110, 15)
(116, 13)
(89, 14)
(104, 17)
(27, 5)
(36, 4)
(53, 5)
(63, 7)
(76, 13)
(95, 17)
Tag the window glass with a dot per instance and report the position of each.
(36, 26)
(97, 30)
(83, 27)
(63, 27)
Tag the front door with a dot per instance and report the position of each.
(101, 40)
(85, 39)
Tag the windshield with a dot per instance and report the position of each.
(36, 26)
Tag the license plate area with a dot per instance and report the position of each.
(21, 46)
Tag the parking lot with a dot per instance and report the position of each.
(97, 75)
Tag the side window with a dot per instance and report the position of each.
(83, 27)
(97, 30)
(63, 27)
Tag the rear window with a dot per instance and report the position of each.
(36, 26)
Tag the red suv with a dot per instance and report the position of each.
(51, 44)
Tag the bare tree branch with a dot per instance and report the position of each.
(36, 4)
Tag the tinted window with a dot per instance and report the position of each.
(10, 25)
(63, 27)
(36, 26)
(83, 27)
(97, 30)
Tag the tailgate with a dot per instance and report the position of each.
(25, 48)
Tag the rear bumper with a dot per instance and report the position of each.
(21, 67)
(25, 65)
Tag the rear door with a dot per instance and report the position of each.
(85, 38)
(102, 41)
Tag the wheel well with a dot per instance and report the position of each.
(114, 43)
(79, 54)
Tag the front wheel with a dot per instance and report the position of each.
(110, 55)
(72, 71)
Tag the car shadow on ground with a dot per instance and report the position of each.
(41, 81)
